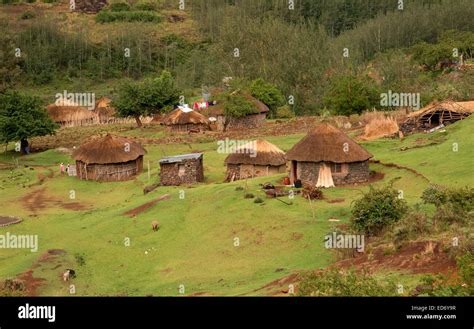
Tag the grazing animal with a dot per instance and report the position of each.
(155, 226)
(69, 274)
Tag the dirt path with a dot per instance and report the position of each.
(32, 283)
(138, 210)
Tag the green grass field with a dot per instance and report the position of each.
(196, 244)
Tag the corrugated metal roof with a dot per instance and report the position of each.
(179, 158)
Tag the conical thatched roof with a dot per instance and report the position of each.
(327, 143)
(180, 117)
(108, 149)
(69, 113)
(259, 152)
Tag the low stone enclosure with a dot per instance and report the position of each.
(182, 169)
(9, 220)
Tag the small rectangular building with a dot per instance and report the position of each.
(182, 169)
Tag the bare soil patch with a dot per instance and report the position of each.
(39, 200)
(32, 283)
(416, 257)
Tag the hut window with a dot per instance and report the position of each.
(181, 170)
(336, 168)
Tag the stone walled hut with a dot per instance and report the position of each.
(255, 159)
(109, 158)
(327, 157)
(253, 120)
(186, 119)
(182, 169)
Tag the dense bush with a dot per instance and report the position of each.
(145, 6)
(377, 209)
(349, 94)
(452, 204)
(342, 283)
(28, 15)
(442, 285)
(267, 93)
(285, 112)
(412, 225)
(119, 6)
(105, 16)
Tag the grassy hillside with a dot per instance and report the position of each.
(195, 245)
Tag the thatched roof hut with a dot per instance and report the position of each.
(326, 156)
(255, 159)
(437, 113)
(71, 115)
(185, 119)
(109, 158)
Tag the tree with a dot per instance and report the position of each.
(348, 94)
(23, 117)
(136, 99)
(267, 93)
(236, 106)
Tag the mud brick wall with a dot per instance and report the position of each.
(193, 172)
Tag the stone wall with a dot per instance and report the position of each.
(193, 172)
(357, 172)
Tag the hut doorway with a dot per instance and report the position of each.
(294, 170)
